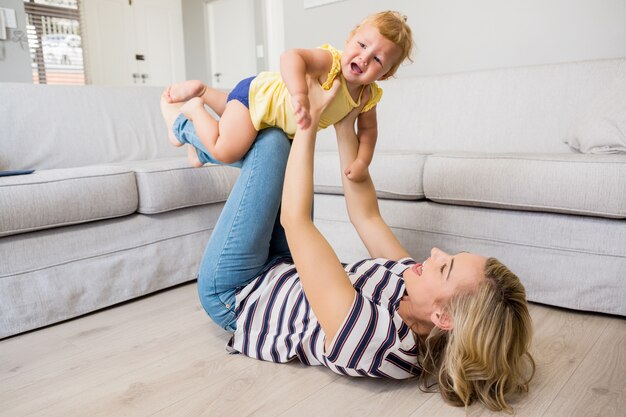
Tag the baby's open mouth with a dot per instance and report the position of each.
(356, 68)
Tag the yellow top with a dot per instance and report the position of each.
(270, 102)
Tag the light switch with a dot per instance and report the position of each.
(3, 29)
(10, 20)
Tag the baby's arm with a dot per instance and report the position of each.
(367, 126)
(295, 65)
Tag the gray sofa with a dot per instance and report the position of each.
(472, 161)
(112, 211)
(478, 162)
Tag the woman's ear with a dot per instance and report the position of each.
(442, 320)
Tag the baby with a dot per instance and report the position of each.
(373, 51)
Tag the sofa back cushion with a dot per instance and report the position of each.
(591, 185)
(524, 109)
(53, 126)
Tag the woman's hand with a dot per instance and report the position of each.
(300, 105)
(319, 98)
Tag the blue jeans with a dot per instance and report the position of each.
(248, 234)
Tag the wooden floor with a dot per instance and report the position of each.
(161, 356)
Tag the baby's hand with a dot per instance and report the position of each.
(301, 110)
(357, 171)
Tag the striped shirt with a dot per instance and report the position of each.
(275, 322)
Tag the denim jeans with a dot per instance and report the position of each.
(248, 234)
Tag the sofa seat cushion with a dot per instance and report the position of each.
(171, 183)
(55, 274)
(396, 175)
(593, 185)
(59, 197)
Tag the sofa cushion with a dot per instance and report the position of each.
(522, 109)
(396, 175)
(593, 185)
(56, 274)
(602, 129)
(570, 261)
(63, 126)
(59, 197)
(171, 183)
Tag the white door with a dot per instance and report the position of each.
(232, 48)
(159, 41)
(108, 31)
(137, 42)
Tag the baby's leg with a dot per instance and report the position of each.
(230, 139)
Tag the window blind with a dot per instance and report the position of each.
(54, 40)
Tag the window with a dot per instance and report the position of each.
(54, 40)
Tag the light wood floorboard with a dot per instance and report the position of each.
(161, 356)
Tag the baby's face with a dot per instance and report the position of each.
(368, 56)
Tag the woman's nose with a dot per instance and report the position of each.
(438, 254)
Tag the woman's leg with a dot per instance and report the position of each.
(240, 245)
(248, 232)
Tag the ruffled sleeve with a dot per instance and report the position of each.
(376, 93)
(336, 67)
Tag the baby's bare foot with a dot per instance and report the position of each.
(192, 157)
(184, 91)
(170, 112)
(191, 106)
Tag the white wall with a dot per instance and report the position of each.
(462, 35)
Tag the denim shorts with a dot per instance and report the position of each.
(241, 92)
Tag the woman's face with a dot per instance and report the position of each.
(439, 277)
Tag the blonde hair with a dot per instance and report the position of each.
(392, 26)
(485, 357)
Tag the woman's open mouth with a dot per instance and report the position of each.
(417, 268)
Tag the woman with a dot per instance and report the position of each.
(460, 319)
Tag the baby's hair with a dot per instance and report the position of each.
(392, 25)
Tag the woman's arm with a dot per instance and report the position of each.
(325, 283)
(361, 199)
(295, 65)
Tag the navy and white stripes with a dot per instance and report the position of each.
(275, 322)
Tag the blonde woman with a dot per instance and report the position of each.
(458, 320)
